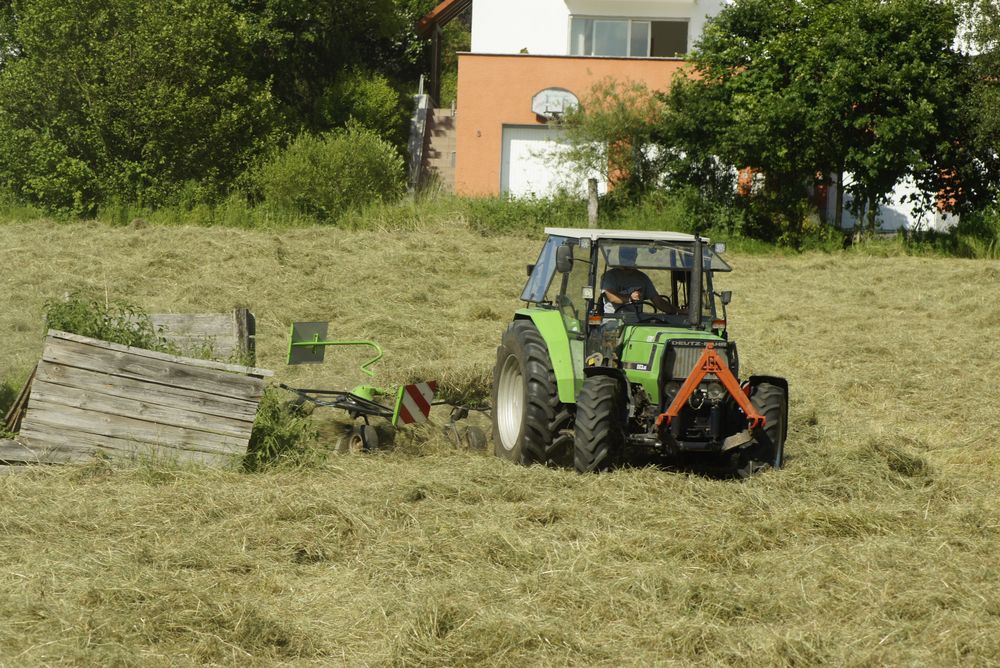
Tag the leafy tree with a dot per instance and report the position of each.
(982, 22)
(122, 99)
(306, 48)
(8, 22)
(803, 88)
(611, 133)
(367, 99)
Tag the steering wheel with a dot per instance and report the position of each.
(619, 307)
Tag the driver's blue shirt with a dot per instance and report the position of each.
(623, 281)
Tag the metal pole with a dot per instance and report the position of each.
(694, 290)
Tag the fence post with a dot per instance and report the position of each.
(592, 203)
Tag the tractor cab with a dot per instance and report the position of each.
(596, 276)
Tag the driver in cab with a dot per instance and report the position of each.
(624, 285)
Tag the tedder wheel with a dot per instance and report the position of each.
(768, 449)
(476, 438)
(452, 436)
(600, 425)
(364, 438)
(527, 414)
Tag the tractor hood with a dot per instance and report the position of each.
(643, 349)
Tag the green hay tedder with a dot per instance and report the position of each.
(623, 351)
(405, 405)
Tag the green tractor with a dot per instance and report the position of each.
(622, 350)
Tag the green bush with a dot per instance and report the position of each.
(280, 433)
(114, 321)
(8, 394)
(978, 234)
(128, 100)
(368, 100)
(39, 169)
(329, 175)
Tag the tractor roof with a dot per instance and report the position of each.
(629, 235)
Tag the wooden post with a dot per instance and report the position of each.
(592, 203)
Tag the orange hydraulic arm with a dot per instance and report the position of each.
(711, 363)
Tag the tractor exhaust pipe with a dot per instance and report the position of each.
(694, 290)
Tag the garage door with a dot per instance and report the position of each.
(531, 166)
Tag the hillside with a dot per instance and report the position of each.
(876, 545)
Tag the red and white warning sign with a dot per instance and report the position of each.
(414, 403)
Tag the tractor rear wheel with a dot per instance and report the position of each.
(527, 413)
(768, 449)
(599, 442)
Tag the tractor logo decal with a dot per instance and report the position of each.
(414, 402)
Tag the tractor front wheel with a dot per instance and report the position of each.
(599, 442)
(768, 449)
(527, 413)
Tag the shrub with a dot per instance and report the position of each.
(978, 234)
(328, 175)
(8, 395)
(280, 433)
(114, 321)
(368, 100)
(41, 170)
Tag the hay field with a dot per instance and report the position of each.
(876, 545)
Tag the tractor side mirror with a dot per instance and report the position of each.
(531, 270)
(564, 259)
(726, 296)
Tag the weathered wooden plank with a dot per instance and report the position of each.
(246, 334)
(95, 402)
(195, 324)
(6, 469)
(12, 421)
(129, 429)
(173, 372)
(198, 403)
(152, 354)
(194, 333)
(203, 347)
(224, 336)
(58, 447)
(15, 451)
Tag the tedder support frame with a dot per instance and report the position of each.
(316, 343)
(711, 363)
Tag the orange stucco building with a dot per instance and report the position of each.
(496, 92)
(502, 137)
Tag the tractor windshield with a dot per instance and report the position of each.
(659, 274)
(660, 255)
(541, 273)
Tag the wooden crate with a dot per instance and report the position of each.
(91, 397)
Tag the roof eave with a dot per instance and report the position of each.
(440, 15)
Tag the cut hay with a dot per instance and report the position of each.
(875, 546)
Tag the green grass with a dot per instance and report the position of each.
(977, 236)
(874, 546)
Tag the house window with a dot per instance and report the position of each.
(627, 38)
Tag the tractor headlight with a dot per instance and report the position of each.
(715, 391)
